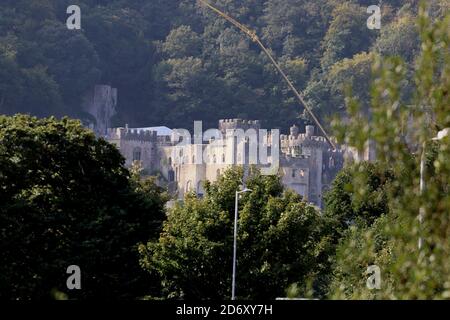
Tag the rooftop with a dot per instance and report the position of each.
(160, 131)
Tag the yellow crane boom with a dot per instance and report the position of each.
(252, 35)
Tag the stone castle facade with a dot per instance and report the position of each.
(306, 164)
(100, 103)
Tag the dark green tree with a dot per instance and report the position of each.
(67, 199)
(279, 241)
(347, 34)
(348, 205)
(182, 42)
(410, 139)
(11, 85)
(124, 43)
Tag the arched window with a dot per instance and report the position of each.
(223, 157)
(171, 176)
(188, 186)
(137, 154)
(200, 190)
(170, 161)
(214, 159)
(294, 173)
(193, 159)
(218, 173)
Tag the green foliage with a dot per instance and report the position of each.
(370, 246)
(280, 241)
(400, 38)
(351, 211)
(11, 84)
(352, 73)
(182, 42)
(348, 205)
(347, 35)
(42, 93)
(402, 131)
(66, 199)
(127, 44)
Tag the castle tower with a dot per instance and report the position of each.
(241, 139)
(309, 131)
(100, 103)
(135, 145)
(294, 131)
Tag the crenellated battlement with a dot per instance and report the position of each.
(132, 134)
(295, 138)
(294, 144)
(239, 121)
(233, 124)
(306, 162)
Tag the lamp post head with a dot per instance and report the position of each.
(442, 134)
(245, 190)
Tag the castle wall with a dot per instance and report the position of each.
(131, 149)
(101, 104)
(315, 178)
(306, 163)
(136, 146)
(295, 176)
(307, 166)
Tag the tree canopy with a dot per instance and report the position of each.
(67, 199)
(145, 49)
(280, 242)
(409, 239)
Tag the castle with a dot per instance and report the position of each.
(304, 160)
(306, 163)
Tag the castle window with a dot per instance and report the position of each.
(294, 172)
(331, 162)
(170, 161)
(171, 176)
(200, 190)
(193, 159)
(137, 154)
(223, 158)
(214, 159)
(218, 173)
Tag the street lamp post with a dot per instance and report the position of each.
(236, 206)
(441, 135)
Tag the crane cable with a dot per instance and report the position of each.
(252, 35)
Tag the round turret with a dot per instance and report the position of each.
(294, 131)
(309, 131)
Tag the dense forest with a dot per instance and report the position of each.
(173, 61)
